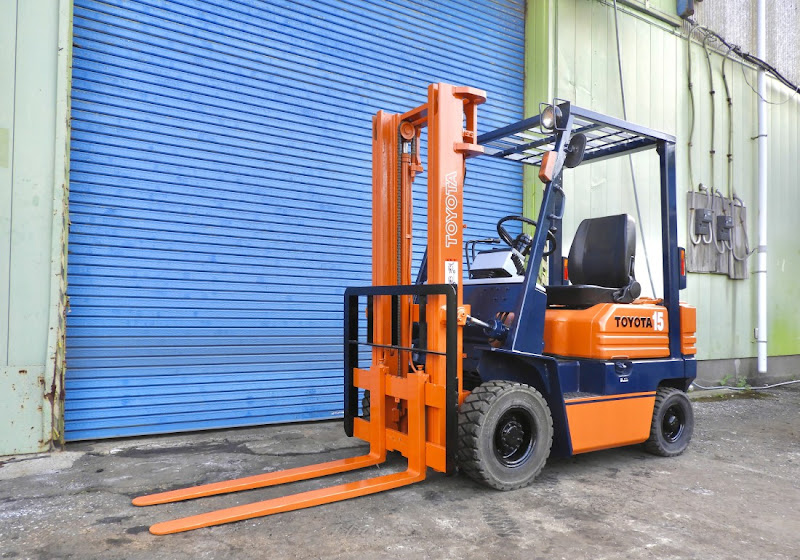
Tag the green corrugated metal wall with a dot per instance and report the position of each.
(584, 70)
(784, 204)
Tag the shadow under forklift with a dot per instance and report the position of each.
(492, 373)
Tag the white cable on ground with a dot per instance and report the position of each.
(746, 388)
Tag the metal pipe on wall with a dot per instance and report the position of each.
(761, 332)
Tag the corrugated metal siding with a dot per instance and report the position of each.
(783, 255)
(220, 197)
(587, 74)
(736, 21)
(655, 70)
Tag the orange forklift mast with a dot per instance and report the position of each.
(407, 411)
(490, 372)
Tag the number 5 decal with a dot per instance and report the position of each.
(658, 320)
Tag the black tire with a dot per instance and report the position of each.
(673, 423)
(505, 432)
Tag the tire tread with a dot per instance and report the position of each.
(472, 413)
(654, 443)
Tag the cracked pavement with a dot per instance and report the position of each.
(735, 493)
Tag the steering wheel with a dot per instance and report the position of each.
(506, 237)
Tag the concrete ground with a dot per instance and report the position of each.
(734, 494)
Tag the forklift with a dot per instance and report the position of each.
(491, 372)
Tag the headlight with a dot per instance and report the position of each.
(551, 115)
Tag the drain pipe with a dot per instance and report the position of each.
(761, 331)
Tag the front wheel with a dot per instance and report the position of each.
(673, 423)
(505, 432)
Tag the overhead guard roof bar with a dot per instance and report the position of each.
(605, 137)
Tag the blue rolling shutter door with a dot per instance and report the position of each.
(220, 193)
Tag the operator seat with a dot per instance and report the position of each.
(600, 264)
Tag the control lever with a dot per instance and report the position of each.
(493, 328)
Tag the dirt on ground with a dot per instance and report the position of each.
(735, 493)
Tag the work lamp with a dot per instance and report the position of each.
(550, 117)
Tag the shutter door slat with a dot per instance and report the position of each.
(220, 196)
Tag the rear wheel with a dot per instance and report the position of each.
(505, 432)
(673, 423)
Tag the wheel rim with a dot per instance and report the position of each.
(673, 423)
(514, 437)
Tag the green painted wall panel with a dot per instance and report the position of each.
(783, 266)
(32, 187)
(539, 72)
(23, 409)
(34, 51)
(8, 41)
(654, 61)
(588, 74)
(666, 6)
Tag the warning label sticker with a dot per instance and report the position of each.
(451, 272)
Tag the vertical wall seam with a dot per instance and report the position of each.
(53, 433)
(7, 317)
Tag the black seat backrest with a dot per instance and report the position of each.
(603, 252)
